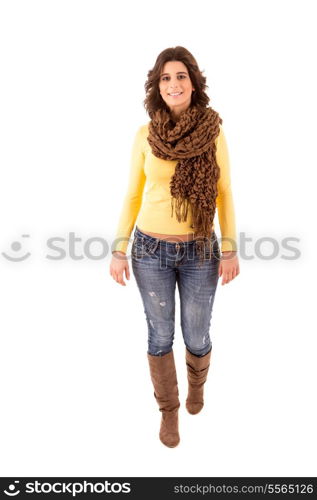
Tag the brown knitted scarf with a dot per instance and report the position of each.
(191, 140)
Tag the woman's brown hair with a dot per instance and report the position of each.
(153, 100)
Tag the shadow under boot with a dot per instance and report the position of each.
(164, 379)
(197, 370)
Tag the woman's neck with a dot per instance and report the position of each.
(175, 115)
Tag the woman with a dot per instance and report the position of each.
(182, 158)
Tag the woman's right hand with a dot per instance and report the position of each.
(118, 266)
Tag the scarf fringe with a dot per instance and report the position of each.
(181, 208)
(201, 223)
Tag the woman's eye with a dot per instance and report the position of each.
(167, 77)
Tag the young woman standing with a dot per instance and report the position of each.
(182, 160)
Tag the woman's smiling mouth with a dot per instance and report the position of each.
(175, 94)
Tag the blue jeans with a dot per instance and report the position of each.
(157, 266)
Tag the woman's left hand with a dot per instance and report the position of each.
(229, 267)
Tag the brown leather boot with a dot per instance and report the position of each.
(197, 370)
(164, 379)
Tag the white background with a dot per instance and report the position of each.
(75, 387)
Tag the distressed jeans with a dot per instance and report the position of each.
(157, 266)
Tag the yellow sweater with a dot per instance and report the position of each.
(151, 210)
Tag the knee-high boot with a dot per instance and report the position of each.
(197, 370)
(164, 379)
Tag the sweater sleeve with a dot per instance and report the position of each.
(133, 197)
(224, 201)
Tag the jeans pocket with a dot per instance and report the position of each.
(211, 248)
(138, 248)
(143, 247)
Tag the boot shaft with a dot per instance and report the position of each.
(164, 380)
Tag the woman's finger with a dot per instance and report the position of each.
(225, 279)
(229, 276)
(121, 280)
(220, 269)
(127, 272)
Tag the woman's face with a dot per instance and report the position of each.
(175, 79)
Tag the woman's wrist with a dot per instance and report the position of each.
(229, 253)
(118, 252)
